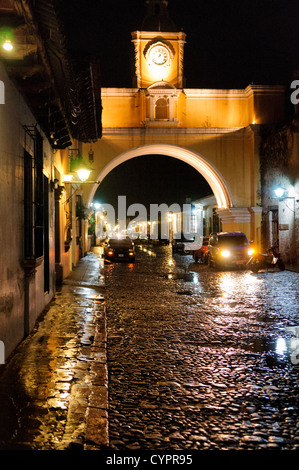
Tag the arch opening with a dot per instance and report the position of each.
(198, 162)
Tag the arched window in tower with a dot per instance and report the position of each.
(162, 109)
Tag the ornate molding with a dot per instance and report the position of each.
(136, 43)
(181, 63)
(234, 215)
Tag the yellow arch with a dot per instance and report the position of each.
(204, 167)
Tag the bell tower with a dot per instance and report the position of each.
(159, 48)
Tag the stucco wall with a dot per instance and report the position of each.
(14, 114)
(232, 153)
(128, 107)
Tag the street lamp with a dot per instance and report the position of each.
(280, 192)
(83, 173)
(6, 39)
(7, 45)
(79, 166)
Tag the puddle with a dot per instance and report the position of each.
(88, 291)
(280, 351)
(184, 292)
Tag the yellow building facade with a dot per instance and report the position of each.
(213, 130)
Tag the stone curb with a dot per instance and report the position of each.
(96, 417)
(87, 418)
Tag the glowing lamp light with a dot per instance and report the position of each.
(83, 174)
(279, 192)
(281, 346)
(7, 45)
(6, 38)
(77, 165)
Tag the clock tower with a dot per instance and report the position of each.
(159, 48)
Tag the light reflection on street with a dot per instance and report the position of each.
(218, 343)
(146, 250)
(232, 285)
(281, 346)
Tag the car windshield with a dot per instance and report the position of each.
(118, 242)
(233, 240)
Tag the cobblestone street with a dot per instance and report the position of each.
(200, 359)
(160, 355)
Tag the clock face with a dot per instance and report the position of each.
(159, 55)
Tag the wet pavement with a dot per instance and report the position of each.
(53, 391)
(162, 354)
(199, 358)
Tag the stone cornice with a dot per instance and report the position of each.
(234, 215)
(250, 91)
(146, 35)
(246, 93)
(178, 130)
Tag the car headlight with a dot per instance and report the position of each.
(225, 253)
(251, 251)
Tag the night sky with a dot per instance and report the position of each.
(152, 180)
(230, 44)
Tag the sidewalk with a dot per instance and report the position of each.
(54, 390)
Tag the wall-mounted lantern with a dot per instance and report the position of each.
(79, 166)
(280, 192)
(6, 39)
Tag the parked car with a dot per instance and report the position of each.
(228, 249)
(179, 245)
(201, 254)
(120, 249)
(159, 241)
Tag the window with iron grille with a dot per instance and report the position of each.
(34, 200)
